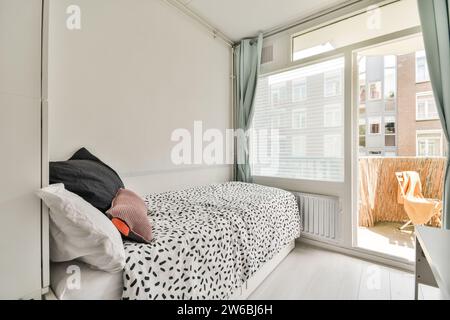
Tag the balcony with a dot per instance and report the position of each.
(380, 214)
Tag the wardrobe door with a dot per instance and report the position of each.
(20, 148)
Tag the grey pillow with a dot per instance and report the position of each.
(87, 176)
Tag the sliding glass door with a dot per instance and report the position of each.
(400, 146)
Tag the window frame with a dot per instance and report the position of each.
(332, 78)
(369, 96)
(293, 85)
(369, 122)
(321, 178)
(394, 69)
(362, 122)
(278, 87)
(427, 78)
(331, 108)
(389, 117)
(426, 118)
(441, 142)
(346, 189)
(300, 110)
(349, 56)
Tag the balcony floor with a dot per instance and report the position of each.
(385, 237)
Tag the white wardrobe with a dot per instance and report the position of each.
(22, 102)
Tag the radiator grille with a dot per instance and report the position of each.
(320, 216)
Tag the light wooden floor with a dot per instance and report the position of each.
(312, 273)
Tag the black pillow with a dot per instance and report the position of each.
(87, 176)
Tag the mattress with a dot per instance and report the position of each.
(74, 280)
(208, 241)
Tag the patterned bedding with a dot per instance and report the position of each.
(209, 240)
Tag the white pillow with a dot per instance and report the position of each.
(80, 231)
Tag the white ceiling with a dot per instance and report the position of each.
(238, 19)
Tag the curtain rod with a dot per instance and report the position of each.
(213, 30)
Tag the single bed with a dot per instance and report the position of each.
(211, 242)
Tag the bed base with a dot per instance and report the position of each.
(259, 276)
(247, 289)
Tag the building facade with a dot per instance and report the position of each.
(397, 111)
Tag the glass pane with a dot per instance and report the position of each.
(333, 83)
(362, 141)
(389, 105)
(389, 125)
(375, 90)
(309, 143)
(362, 129)
(389, 140)
(390, 82)
(374, 22)
(374, 128)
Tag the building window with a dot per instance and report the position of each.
(362, 80)
(426, 106)
(389, 131)
(278, 94)
(390, 77)
(332, 146)
(299, 118)
(298, 146)
(362, 94)
(389, 105)
(332, 84)
(315, 155)
(332, 115)
(299, 90)
(374, 125)
(429, 143)
(389, 125)
(375, 90)
(422, 74)
(389, 140)
(362, 132)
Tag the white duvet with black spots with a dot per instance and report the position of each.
(209, 240)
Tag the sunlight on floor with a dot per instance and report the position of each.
(385, 237)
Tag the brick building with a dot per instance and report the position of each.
(397, 114)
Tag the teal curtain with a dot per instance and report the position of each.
(434, 17)
(247, 61)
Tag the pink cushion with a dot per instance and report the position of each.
(129, 214)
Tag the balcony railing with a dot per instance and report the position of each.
(378, 186)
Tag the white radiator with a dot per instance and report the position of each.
(321, 216)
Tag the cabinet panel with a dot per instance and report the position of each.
(20, 148)
(20, 53)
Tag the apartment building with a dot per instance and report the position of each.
(397, 111)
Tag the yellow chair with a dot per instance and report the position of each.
(419, 209)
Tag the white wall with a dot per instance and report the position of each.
(137, 70)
